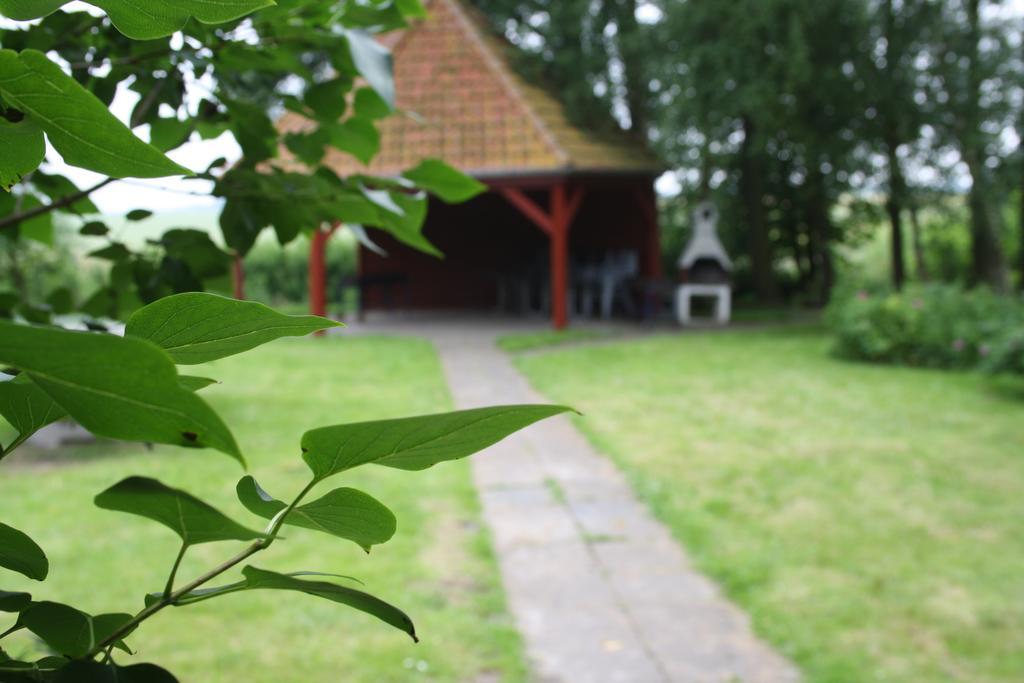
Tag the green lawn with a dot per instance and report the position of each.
(529, 341)
(869, 518)
(439, 567)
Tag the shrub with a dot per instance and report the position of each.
(939, 326)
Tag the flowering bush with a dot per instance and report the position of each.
(939, 326)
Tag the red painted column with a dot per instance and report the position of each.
(318, 273)
(653, 234)
(238, 277)
(559, 258)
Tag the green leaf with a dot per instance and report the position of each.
(416, 443)
(253, 129)
(328, 100)
(24, 148)
(358, 137)
(92, 137)
(374, 63)
(195, 383)
(451, 185)
(408, 226)
(167, 134)
(132, 395)
(14, 601)
(369, 105)
(346, 513)
(412, 9)
(89, 671)
(155, 19)
(364, 602)
(138, 214)
(198, 327)
(39, 228)
(193, 520)
(61, 301)
(94, 228)
(21, 554)
(69, 631)
(201, 594)
(27, 408)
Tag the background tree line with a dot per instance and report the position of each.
(813, 123)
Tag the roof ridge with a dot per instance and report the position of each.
(509, 77)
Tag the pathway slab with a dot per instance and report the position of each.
(599, 589)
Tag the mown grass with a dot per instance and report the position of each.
(439, 567)
(869, 518)
(529, 341)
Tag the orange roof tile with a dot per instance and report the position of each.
(461, 101)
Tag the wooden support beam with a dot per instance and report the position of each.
(647, 202)
(318, 273)
(238, 276)
(560, 221)
(575, 201)
(528, 207)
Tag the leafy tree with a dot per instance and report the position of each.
(200, 68)
(970, 91)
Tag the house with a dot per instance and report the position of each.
(557, 194)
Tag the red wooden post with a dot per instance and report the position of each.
(651, 254)
(318, 273)
(238, 277)
(559, 257)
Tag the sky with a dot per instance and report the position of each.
(170, 194)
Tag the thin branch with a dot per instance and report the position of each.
(174, 571)
(169, 599)
(70, 199)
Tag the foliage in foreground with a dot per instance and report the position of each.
(936, 326)
(139, 395)
(58, 76)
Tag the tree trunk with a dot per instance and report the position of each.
(988, 266)
(920, 266)
(819, 227)
(987, 261)
(630, 44)
(894, 205)
(1020, 220)
(897, 184)
(752, 187)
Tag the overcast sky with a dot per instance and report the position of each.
(169, 194)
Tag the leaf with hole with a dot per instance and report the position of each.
(193, 520)
(27, 408)
(77, 124)
(133, 395)
(21, 554)
(24, 148)
(198, 327)
(416, 443)
(346, 513)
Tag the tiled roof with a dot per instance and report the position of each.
(461, 101)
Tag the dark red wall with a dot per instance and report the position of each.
(486, 237)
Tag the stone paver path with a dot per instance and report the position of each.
(600, 590)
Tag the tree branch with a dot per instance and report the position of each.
(70, 199)
(170, 598)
